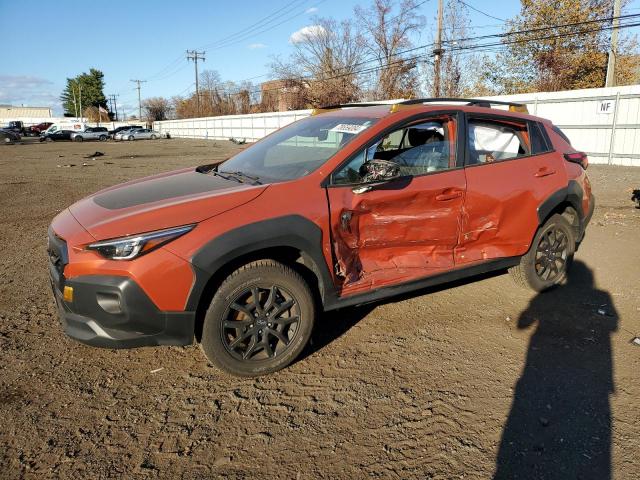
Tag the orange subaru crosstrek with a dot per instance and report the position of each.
(351, 205)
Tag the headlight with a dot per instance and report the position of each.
(127, 248)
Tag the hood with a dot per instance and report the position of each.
(161, 201)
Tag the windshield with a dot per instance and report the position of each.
(297, 149)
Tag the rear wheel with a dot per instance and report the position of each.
(153, 137)
(130, 137)
(259, 320)
(78, 139)
(102, 138)
(548, 260)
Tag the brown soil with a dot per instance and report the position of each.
(452, 382)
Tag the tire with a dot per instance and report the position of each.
(252, 348)
(153, 137)
(102, 138)
(49, 139)
(130, 138)
(549, 259)
(79, 139)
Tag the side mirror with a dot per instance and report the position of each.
(376, 172)
(322, 135)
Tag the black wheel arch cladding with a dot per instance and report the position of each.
(572, 193)
(292, 231)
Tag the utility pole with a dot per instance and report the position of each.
(80, 91)
(437, 53)
(75, 104)
(195, 56)
(613, 48)
(139, 100)
(114, 108)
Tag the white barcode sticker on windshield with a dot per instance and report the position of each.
(348, 128)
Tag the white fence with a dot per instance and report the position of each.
(251, 127)
(604, 122)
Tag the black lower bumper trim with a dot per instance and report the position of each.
(114, 312)
(587, 218)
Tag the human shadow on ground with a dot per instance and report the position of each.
(559, 426)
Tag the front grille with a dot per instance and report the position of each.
(58, 254)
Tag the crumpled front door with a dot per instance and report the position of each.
(401, 231)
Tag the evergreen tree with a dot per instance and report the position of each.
(86, 88)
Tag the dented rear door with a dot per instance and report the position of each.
(504, 177)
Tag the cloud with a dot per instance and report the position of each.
(28, 90)
(255, 46)
(306, 33)
(311, 10)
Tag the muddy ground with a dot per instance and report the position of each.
(464, 381)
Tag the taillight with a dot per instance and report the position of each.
(577, 157)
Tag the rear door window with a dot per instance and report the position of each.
(496, 140)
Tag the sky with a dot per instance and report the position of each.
(47, 42)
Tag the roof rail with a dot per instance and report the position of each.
(476, 102)
(328, 108)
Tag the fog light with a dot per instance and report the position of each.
(68, 294)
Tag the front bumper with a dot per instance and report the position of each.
(113, 311)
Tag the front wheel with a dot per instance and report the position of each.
(130, 137)
(259, 320)
(78, 139)
(103, 138)
(153, 137)
(548, 260)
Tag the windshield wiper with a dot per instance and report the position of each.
(255, 180)
(226, 177)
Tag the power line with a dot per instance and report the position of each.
(481, 47)
(481, 12)
(249, 35)
(260, 23)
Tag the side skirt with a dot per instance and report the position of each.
(451, 276)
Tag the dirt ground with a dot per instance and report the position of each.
(474, 379)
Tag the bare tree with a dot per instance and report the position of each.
(157, 108)
(388, 34)
(323, 66)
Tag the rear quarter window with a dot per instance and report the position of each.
(539, 141)
(561, 134)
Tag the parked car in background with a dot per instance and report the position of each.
(8, 136)
(39, 128)
(141, 134)
(72, 126)
(15, 126)
(91, 133)
(346, 207)
(56, 136)
(116, 131)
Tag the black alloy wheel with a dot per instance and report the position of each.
(551, 254)
(260, 323)
(259, 320)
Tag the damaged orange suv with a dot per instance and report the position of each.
(351, 205)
